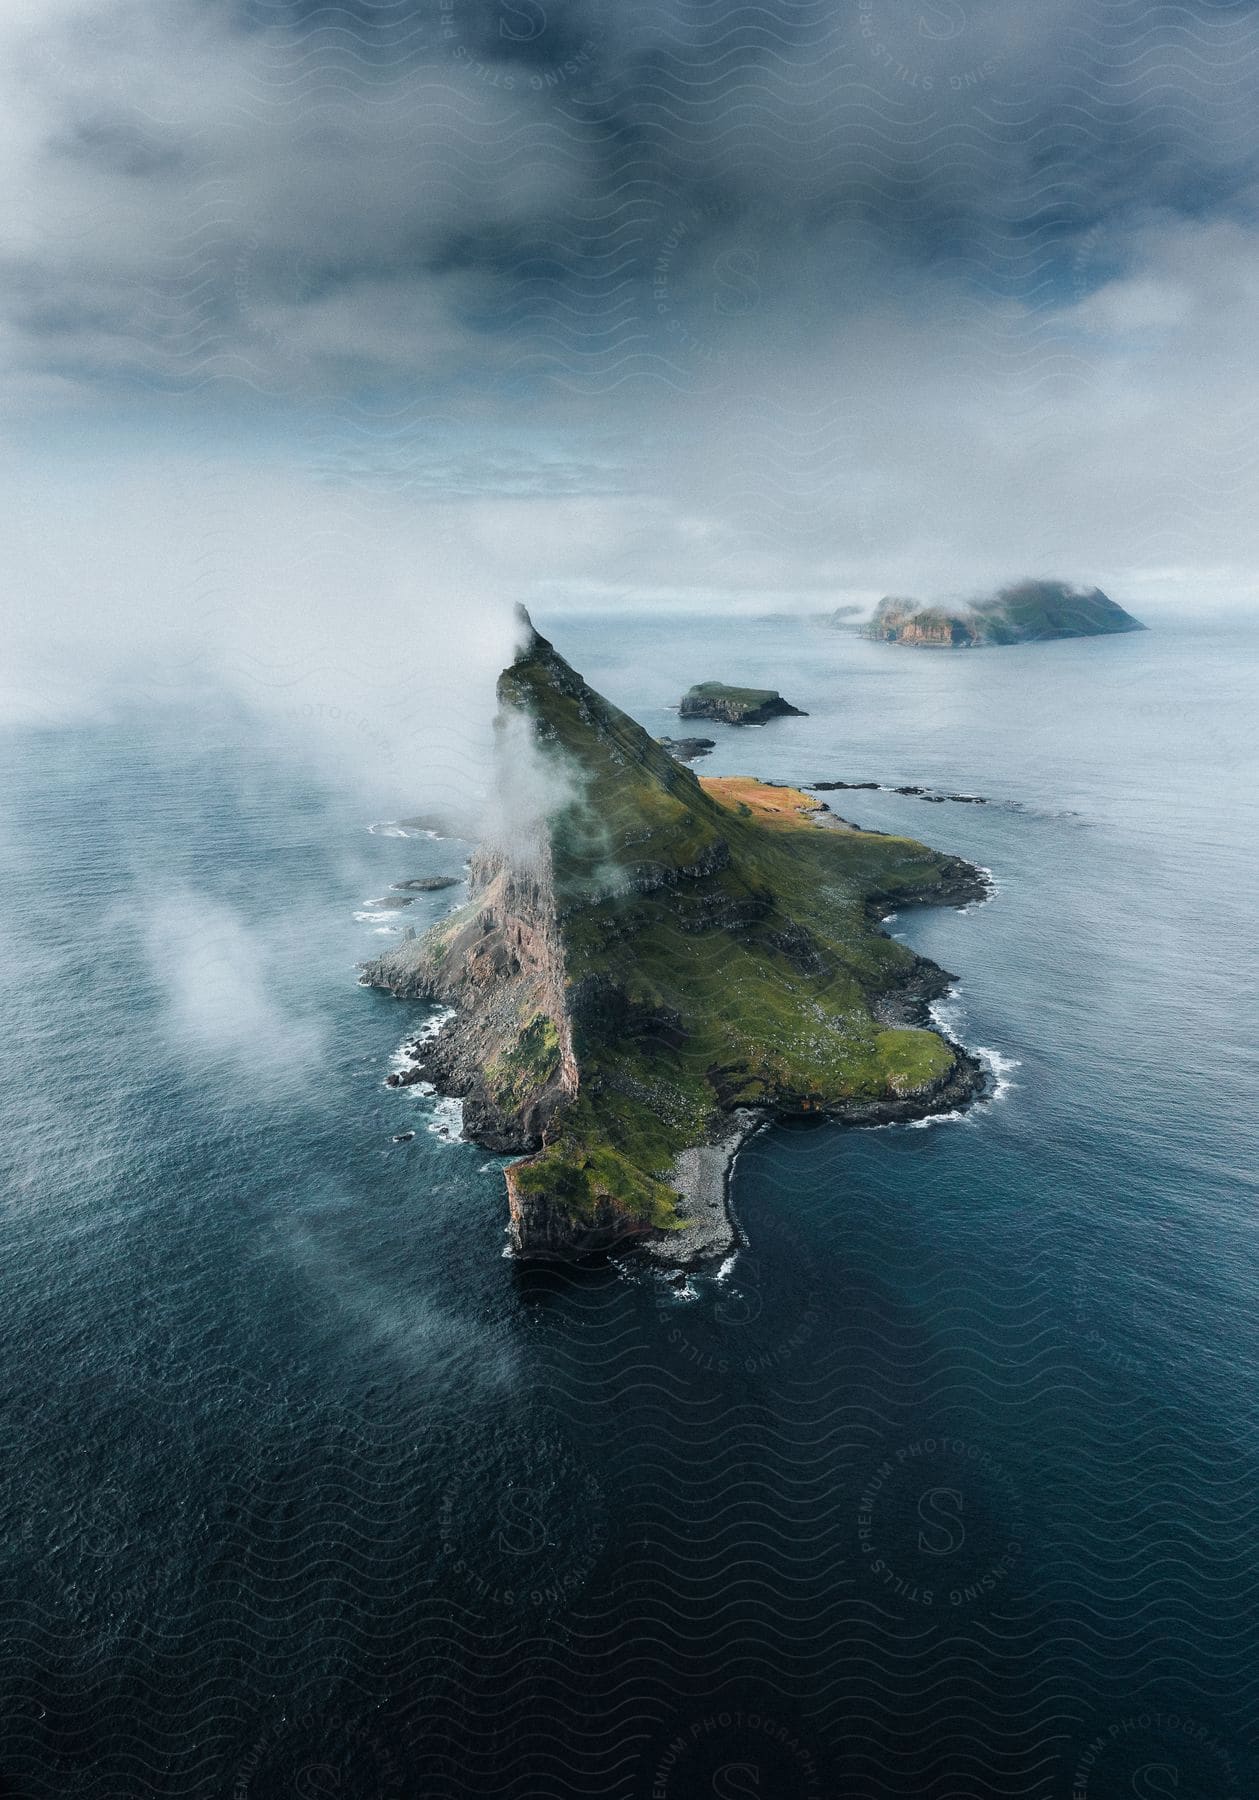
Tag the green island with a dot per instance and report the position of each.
(735, 705)
(1026, 613)
(660, 965)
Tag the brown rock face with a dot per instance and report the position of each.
(904, 622)
(509, 1052)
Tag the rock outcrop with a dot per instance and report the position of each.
(648, 965)
(735, 705)
(688, 749)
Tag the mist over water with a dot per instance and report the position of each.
(945, 1486)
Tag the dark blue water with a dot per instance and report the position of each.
(948, 1489)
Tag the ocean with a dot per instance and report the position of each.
(945, 1486)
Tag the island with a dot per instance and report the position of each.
(735, 705)
(660, 967)
(1028, 612)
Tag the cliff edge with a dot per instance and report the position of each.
(649, 965)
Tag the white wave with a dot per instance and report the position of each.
(430, 1028)
(993, 888)
(948, 1118)
(1001, 1068)
(948, 1015)
(447, 1121)
(390, 828)
(403, 1056)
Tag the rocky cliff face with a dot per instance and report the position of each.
(904, 622)
(500, 963)
(656, 965)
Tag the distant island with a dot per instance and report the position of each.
(735, 705)
(1029, 612)
(666, 964)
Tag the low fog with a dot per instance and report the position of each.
(329, 334)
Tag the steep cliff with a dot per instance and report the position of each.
(648, 964)
(1028, 612)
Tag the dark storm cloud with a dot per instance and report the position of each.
(542, 182)
(674, 298)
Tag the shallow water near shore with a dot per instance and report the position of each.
(944, 1485)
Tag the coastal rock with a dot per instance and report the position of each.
(426, 884)
(735, 705)
(655, 966)
(688, 749)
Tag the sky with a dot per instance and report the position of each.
(330, 330)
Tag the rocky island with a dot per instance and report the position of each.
(1029, 612)
(657, 965)
(735, 705)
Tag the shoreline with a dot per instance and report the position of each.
(703, 1173)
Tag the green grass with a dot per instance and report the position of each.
(530, 1064)
(720, 951)
(746, 698)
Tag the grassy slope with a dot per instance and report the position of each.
(1048, 609)
(748, 984)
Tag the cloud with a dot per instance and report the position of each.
(283, 194)
(568, 301)
(217, 980)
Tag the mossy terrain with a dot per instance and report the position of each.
(720, 950)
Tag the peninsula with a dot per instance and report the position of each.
(1029, 612)
(659, 965)
(735, 705)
